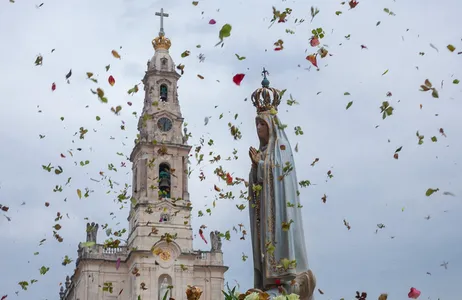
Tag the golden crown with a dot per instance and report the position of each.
(266, 98)
(161, 42)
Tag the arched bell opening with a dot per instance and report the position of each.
(163, 93)
(164, 181)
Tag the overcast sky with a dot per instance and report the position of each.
(368, 187)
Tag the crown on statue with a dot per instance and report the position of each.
(161, 42)
(266, 98)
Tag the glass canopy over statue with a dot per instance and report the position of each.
(278, 239)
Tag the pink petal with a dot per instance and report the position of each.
(212, 22)
(314, 41)
(413, 293)
(118, 264)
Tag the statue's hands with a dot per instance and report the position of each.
(255, 156)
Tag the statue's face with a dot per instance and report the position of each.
(262, 130)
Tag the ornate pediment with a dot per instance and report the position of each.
(164, 80)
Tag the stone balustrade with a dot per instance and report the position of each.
(207, 258)
(100, 252)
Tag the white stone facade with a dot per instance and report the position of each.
(160, 234)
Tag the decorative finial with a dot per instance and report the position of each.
(161, 42)
(265, 82)
(266, 99)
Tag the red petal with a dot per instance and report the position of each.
(312, 59)
(278, 49)
(111, 80)
(238, 78)
(229, 179)
(4, 297)
(53, 86)
(129, 103)
(212, 22)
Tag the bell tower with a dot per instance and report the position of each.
(160, 205)
(158, 259)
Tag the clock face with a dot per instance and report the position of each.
(164, 124)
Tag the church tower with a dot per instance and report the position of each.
(158, 258)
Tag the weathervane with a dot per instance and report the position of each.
(162, 15)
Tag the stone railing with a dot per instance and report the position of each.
(209, 258)
(99, 252)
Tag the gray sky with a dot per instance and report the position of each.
(369, 186)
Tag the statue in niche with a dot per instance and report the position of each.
(164, 289)
(92, 230)
(215, 241)
(273, 224)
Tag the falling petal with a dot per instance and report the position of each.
(238, 78)
(413, 293)
(118, 263)
(111, 80)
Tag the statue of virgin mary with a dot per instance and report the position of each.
(278, 239)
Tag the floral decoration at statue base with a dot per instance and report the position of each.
(279, 293)
(193, 293)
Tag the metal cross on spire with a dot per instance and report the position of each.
(162, 15)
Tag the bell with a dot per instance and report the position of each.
(164, 183)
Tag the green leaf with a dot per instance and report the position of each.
(434, 139)
(429, 192)
(456, 81)
(399, 149)
(185, 54)
(44, 270)
(79, 193)
(346, 94)
(386, 71)
(240, 57)
(24, 285)
(98, 118)
(338, 12)
(435, 93)
(451, 48)
(378, 23)
(349, 104)
(225, 31)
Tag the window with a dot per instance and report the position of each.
(164, 217)
(163, 93)
(164, 181)
(163, 64)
